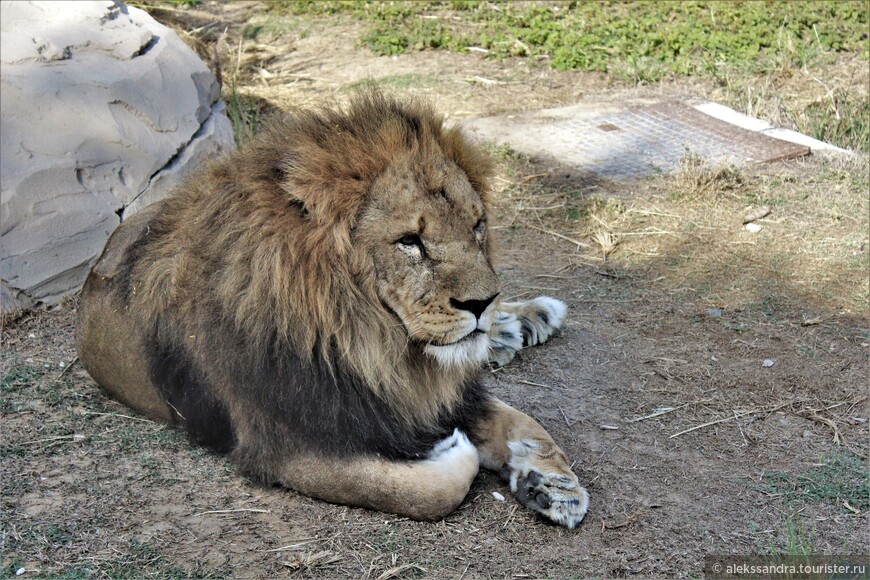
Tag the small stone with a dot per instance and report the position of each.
(498, 496)
(609, 427)
(753, 227)
(717, 312)
(768, 363)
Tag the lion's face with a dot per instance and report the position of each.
(425, 229)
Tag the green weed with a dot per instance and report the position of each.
(796, 540)
(17, 377)
(843, 478)
(244, 113)
(269, 27)
(843, 120)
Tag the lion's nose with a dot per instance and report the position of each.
(476, 307)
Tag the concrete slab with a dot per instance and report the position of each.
(621, 141)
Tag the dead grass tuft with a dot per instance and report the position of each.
(696, 178)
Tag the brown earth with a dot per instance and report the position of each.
(674, 309)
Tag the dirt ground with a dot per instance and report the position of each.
(710, 383)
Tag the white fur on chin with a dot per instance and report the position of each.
(471, 351)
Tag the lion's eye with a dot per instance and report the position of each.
(479, 227)
(410, 240)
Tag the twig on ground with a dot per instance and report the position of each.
(399, 569)
(627, 521)
(568, 422)
(525, 382)
(65, 369)
(255, 510)
(510, 517)
(657, 413)
(736, 415)
(711, 423)
(850, 508)
(578, 243)
(94, 413)
(531, 177)
(813, 415)
(678, 361)
(313, 560)
(301, 542)
(53, 440)
(756, 215)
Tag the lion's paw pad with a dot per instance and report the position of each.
(540, 319)
(556, 497)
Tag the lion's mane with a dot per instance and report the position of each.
(264, 330)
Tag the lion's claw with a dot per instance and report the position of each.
(521, 324)
(555, 495)
(505, 339)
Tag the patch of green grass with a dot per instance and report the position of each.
(796, 540)
(9, 570)
(842, 478)
(15, 381)
(17, 377)
(646, 40)
(843, 120)
(245, 114)
(270, 27)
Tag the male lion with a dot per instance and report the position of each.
(318, 305)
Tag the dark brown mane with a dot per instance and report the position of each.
(251, 265)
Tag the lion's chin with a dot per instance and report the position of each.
(472, 350)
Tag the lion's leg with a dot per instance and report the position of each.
(422, 490)
(523, 453)
(110, 340)
(521, 324)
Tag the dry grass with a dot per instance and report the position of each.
(688, 228)
(695, 178)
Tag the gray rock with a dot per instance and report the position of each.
(104, 110)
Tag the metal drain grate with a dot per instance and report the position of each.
(640, 142)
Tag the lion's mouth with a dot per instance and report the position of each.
(470, 336)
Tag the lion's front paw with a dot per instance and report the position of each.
(556, 496)
(505, 338)
(540, 318)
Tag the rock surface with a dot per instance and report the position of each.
(104, 110)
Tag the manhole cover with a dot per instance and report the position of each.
(638, 142)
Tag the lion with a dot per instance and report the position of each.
(318, 306)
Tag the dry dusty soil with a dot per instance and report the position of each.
(689, 443)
